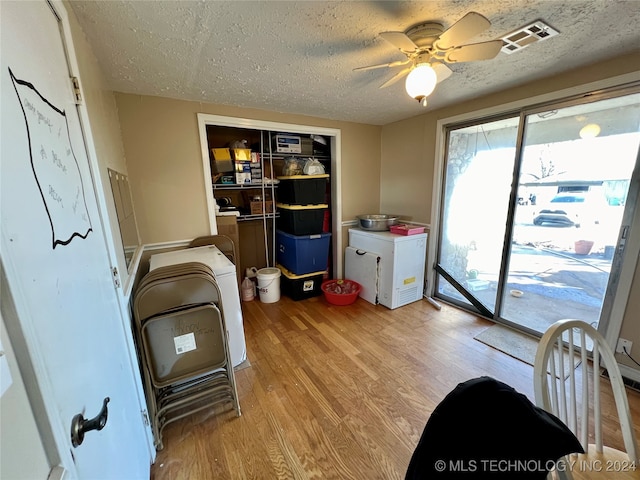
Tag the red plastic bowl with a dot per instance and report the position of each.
(331, 290)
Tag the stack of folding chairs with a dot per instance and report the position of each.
(181, 332)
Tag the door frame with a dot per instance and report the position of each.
(54, 432)
(205, 119)
(611, 328)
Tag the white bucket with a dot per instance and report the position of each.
(269, 284)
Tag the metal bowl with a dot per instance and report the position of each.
(377, 223)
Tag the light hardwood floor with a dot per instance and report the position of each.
(338, 392)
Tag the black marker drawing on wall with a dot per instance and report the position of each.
(54, 165)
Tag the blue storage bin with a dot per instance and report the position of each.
(301, 254)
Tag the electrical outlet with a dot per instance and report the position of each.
(624, 344)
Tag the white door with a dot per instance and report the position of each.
(55, 257)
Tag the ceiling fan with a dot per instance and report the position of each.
(428, 46)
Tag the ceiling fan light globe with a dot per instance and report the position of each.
(591, 130)
(421, 81)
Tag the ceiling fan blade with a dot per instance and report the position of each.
(467, 27)
(383, 65)
(474, 51)
(442, 71)
(396, 77)
(400, 41)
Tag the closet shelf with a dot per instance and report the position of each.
(236, 186)
(258, 216)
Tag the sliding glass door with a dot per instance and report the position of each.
(479, 171)
(576, 163)
(532, 209)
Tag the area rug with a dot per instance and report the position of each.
(516, 344)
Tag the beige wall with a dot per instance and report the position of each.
(104, 126)
(408, 155)
(164, 160)
(406, 173)
(631, 321)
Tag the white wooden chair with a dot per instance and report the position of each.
(573, 395)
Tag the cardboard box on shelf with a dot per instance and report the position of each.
(243, 172)
(255, 195)
(256, 173)
(285, 143)
(242, 178)
(307, 146)
(243, 167)
(242, 154)
(220, 154)
(221, 160)
(256, 207)
(254, 198)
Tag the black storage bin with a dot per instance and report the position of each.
(301, 219)
(300, 287)
(302, 189)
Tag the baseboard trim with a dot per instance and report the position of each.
(159, 246)
(631, 376)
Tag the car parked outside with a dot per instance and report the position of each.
(572, 209)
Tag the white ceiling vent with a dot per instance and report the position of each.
(525, 36)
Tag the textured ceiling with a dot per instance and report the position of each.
(299, 56)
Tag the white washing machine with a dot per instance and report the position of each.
(225, 273)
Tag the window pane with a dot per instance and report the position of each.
(479, 172)
(576, 167)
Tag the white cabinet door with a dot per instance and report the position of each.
(55, 257)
